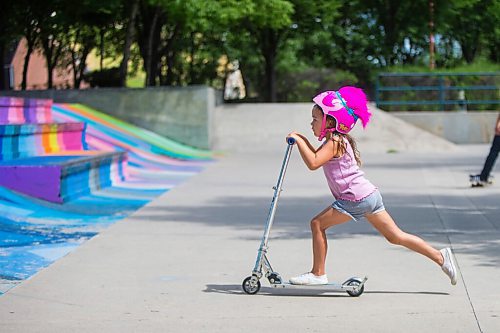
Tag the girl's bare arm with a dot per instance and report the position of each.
(309, 145)
(313, 158)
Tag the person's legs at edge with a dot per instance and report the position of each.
(490, 160)
(327, 218)
(384, 224)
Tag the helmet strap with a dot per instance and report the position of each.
(324, 130)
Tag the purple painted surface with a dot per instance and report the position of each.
(31, 115)
(19, 101)
(38, 181)
(4, 117)
(59, 178)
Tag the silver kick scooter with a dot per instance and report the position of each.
(251, 285)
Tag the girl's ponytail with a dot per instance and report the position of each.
(354, 147)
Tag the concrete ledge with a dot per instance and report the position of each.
(264, 126)
(179, 113)
(457, 127)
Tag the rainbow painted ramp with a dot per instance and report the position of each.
(62, 178)
(61, 183)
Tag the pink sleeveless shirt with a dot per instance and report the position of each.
(345, 179)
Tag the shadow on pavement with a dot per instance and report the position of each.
(235, 289)
(435, 219)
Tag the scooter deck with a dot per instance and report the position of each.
(326, 287)
(329, 286)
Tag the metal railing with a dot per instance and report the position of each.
(446, 91)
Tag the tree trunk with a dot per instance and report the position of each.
(269, 44)
(150, 73)
(271, 76)
(169, 78)
(74, 58)
(52, 53)
(4, 77)
(50, 80)
(78, 69)
(81, 67)
(156, 54)
(469, 49)
(86, 40)
(47, 51)
(390, 28)
(3, 80)
(169, 54)
(24, 82)
(30, 37)
(128, 43)
(101, 47)
(192, 47)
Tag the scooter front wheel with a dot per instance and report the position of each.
(251, 285)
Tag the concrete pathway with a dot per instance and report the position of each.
(177, 264)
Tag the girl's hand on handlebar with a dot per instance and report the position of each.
(294, 135)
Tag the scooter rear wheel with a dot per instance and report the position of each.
(357, 292)
(250, 286)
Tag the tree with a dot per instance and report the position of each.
(471, 22)
(268, 24)
(134, 9)
(399, 27)
(9, 32)
(32, 15)
(52, 32)
(171, 32)
(86, 24)
(203, 37)
(149, 25)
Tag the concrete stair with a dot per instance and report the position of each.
(50, 160)
(59, 178)
(15, 110)
(24, 140)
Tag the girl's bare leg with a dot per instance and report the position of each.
(384, 223)
(327, 218)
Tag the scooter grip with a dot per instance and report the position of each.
(291, 141)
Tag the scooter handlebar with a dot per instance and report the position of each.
(290, 141)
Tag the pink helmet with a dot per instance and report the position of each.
(346, 105)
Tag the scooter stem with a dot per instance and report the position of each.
(272, 209)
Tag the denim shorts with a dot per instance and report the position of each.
(358, 209)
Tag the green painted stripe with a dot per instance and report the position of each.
(149, 136)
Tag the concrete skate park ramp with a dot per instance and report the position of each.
(263, 127)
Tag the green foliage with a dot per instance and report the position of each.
(270, 14)
(287, 49)
(136, 81)
(302, 85)
(474, 25)
(109, 77)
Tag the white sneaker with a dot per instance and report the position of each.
(475, 181)
(449, 265)
(309, 279)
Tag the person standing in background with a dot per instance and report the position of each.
(234, 87)
(484, 177)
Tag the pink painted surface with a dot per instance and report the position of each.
(24, 115)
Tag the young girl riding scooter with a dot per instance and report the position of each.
(333, 116)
